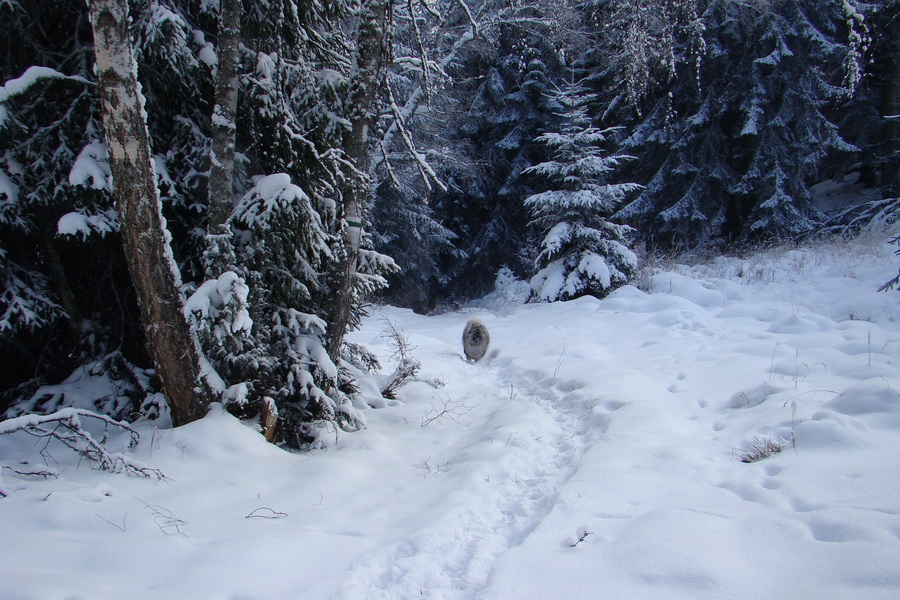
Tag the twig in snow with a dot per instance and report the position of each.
(121, 527)
(449, 409)
(560, 360)
(264, 512)
(423, 464)
(165, 519)
(583, 537)
(37, 471)
(759, 449)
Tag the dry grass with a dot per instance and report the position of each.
(759, 449)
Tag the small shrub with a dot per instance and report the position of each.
(401, 354)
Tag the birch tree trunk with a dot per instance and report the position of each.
(220, 252)
(146, 242)
(363, 85)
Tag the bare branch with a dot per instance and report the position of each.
(165, 519)
(66, 427)
(449, 409)
(401, 353)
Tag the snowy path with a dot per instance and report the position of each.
(495, 503)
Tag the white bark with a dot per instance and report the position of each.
(154, 272)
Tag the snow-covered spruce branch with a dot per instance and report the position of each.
(66, 426)
(32, 75)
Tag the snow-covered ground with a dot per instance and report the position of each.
(594, 453)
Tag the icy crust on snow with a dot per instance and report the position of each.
(593, 453)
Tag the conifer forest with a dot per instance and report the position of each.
(201, 199)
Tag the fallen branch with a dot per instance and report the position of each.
(264, 512)
(66, 426)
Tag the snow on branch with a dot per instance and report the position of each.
(32, 75)
(67, 426)
(420, 95)
(427, 173)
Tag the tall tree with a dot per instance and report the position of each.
(368, 63)
(732, 140)
(149, 256)
(224, 137)
(503, 95)
(887, 65)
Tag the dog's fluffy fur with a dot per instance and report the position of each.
(475, 340)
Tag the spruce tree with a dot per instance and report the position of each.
(742, 126)
(582, 251)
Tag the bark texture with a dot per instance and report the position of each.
(224, 118)
(363, 86)
(145, 239)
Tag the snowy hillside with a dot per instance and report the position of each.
(594, 453)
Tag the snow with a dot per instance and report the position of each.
(207, 55)
(593, 453)
(8, 190)
(76, 223)
(91, 168)
(32, 75)
(213, 295)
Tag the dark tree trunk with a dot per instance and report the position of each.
(363, 85)
(66, 295)
(147, 250)
(224, 130)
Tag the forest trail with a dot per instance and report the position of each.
(522, 472)
(518, 426)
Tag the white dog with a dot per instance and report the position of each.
(475, 340)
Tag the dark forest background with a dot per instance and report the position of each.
(561, 141)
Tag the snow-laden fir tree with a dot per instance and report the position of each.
(732, 142)
(504, 100)
(582, 252)
(287, 225)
